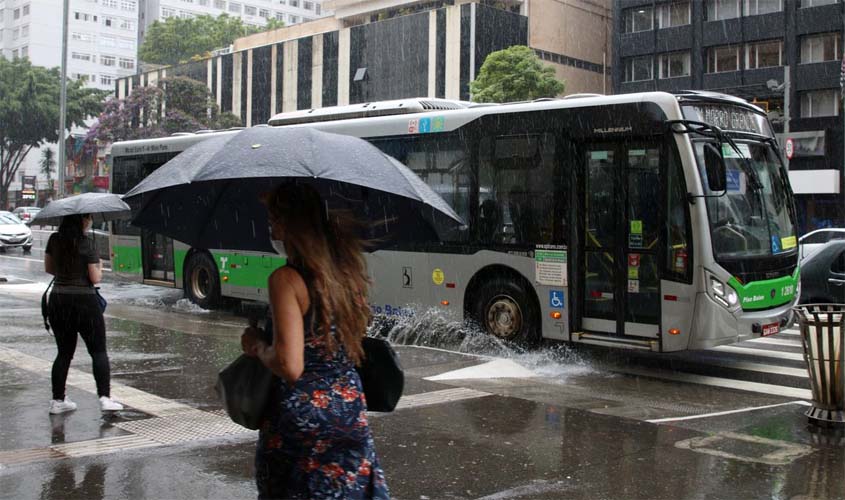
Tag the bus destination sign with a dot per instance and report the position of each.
(729, 118)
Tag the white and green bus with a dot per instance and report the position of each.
(649, 221)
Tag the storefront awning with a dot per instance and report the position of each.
(814, 181)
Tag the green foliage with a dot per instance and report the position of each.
(29, 112)
(188, 107)
(48, 166)
(176, 40)
(514, 74)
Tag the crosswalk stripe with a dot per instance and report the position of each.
(759, 352)
(741, 385)
(776, 341)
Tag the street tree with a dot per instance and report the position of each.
(29, 113)
(177, 104)
(48, 166)
(514, 74)
(177, 40)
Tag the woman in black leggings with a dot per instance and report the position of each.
(73, 309)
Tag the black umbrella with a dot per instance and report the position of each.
(209, 195)
(103, 206)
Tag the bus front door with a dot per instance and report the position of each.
(157, 255)
(620, 284)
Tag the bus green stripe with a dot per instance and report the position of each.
(246, 270)
(126, 259)
(765, 294)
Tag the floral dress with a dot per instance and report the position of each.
(314, 441)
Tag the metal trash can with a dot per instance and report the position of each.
(823, 337)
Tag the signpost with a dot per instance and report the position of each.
(28, 187)
(789, 148)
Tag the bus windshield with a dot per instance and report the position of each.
(753, 218)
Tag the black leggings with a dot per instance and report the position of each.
(78, 314)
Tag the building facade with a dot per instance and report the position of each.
(784, 55)
(379, 50)
(102, 47)
(252, 12)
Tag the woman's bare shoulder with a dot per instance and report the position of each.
(287, 276)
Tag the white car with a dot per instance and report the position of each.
(814, 240)
(14, 233)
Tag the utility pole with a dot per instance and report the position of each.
(63, 102)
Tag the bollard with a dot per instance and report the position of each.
(823, 337)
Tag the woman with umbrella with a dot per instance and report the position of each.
(315, 441)
(74, 307)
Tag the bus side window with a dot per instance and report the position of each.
(516, 190)
(679, 250)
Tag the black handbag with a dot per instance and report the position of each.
(244, 386)
(100, 300)
(381, 375)
(45, 313)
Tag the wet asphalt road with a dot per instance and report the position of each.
(548, 424)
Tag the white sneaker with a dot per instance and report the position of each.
(108, 404)
(61, 405)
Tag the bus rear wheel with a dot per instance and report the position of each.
(202, 281)
(505, 310)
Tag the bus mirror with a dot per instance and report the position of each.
(714, 165)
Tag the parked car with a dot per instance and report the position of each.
(823, 275)
(26, 214)
(814, 240)
(14, 233)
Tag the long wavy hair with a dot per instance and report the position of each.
(70, 235)
(327, 245)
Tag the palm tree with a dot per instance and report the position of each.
(48, 166)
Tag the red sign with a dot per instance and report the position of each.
(101, 182)
(634, 259)
(770, 329)
(789, 148)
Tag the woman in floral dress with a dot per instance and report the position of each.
(315, 441)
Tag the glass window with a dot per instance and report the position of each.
(756, 7)
(127, 63)
(678, 248)
(107, 60)
(819, 103)
(126, 43)
(106, 80)
(24, 51)
(249, 10)
(639, 69)
(16, 33)
(674, 65)
(26, 10)
(16, 14)
(816, 3)
(235, 7)
(294, 19)
(80, 56)
(673, 14)
(516, 190)
(638, 19)
(764, 54)
(167, 12)
(308, 5)
(280, 16)
(264, 13)
(317, 9)
(126, 24)
(25, 30)
(203, 3)
(721, 59)
(109, 3)
(128, 5)
(722, 9)
(820, 48)
(220, 4)
(444, 164)
(14, 53)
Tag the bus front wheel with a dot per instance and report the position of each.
(202, 281)
(507, 311)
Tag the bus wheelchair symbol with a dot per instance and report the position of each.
(556, 299)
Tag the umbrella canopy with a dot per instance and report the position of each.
(104, 206)
(209, 195)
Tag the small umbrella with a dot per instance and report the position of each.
(104, 206)
(209, 195)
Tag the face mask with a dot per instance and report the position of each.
(279, 247)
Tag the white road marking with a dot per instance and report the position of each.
(741, 385)
(759, 352)
(785, 453)
(498, 368)
(778, 341)
(728, 412)
(30, 259)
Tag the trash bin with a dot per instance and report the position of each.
(823, 337)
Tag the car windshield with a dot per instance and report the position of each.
(753, 217)
(7, 218)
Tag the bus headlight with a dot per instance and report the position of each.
(722, 293)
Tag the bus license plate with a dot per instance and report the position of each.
(770, 329)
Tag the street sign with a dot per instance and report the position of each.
(789, 148)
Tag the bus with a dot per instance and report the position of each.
(656, 221)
